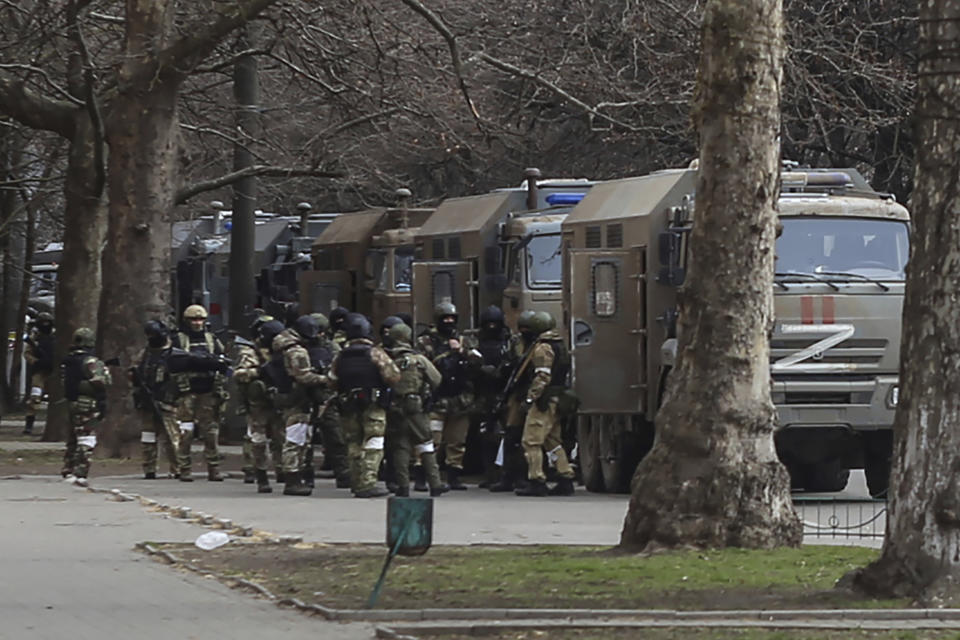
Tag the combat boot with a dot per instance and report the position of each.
(294, 485)
(536, 488)
(213, 474)
(186, 476)
(249, 476)
(28, 425)
(343, 482)
(420, 479)
(453, 479)
(372, 492)
(281, 476)
(439, 491)
(309, 474)
(150, 475)
(564, 487)
(402, 491)
(263, 484)
(505, 484)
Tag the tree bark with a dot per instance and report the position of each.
(920, 553)
(712, 478)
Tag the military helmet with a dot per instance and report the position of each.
(525, 319)
(84, 337)
(356, 326)
(401, 333)
(406, 318)
(259, 322)
(307, 327)
(390, 321)
(195, 312)
(337, 316)
(444, 309)
(541, 322)
(154, 328)
(493, 313)
(269, 330)
(44, 317)
(322, 321)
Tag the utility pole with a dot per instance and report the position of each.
(246, 91)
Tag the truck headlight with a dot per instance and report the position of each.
(893, 396)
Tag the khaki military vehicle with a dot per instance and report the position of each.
(500, 248)
(835, 347)
(363, 261)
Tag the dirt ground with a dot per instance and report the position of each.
(687, 633)
(342, 576)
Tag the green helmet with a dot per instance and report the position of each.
(44, 317)
(542, 322)
(444, 309)
(525, 319)
(322, 321)
(84, 337)
(400, 333)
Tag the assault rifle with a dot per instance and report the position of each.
(491, 424)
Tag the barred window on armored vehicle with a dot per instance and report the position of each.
(402, 269)
(605, 276)
(843, 246)
(544, 261)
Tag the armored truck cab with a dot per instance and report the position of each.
(359, 260)
(466, 249)
(834, 351)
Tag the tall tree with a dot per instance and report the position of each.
(919, 557)
(712, 478)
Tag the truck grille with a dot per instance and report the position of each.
(861, 351)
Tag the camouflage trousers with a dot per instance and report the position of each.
(541, 431)
(81, 440)
(298, 440)
(199, 416)
(410, 434)
(450, 430)
(364, 427)
(38, 387)
(160, 430)
(265, 432)
(334, 445)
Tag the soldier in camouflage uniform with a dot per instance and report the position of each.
(454, 399)
(85, 379)
(39, 356)
(406, 418)
(202, 395)
(363, 374)
(322, 351)
(335, 331)
(541, 430)
(294, 384)
(264, 424)
(155, 398)
(494, 344)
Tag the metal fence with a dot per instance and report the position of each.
(836, 518)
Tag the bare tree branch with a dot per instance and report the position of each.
(33, 110)
(89, 94)
(189, 191)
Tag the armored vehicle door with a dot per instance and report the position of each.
(608, 329)
(322, 291)
(436, 282)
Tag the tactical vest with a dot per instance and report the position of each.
(561, 363)
(154, 374)
(199, 381)
(321, 356)
(493, 350)
(412, 378)
(74, 375)
(356, 370)
(274, 373)
(44, 352)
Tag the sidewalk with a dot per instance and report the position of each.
(70, 571)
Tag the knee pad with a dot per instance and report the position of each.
(424, 447)
(148, 437)
(374, 444)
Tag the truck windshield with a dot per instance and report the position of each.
(544, 262)
(402, 269)
(836, 247)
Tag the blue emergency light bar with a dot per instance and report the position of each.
(556, 199)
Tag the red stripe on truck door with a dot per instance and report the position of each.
(806, 309)
(829, 310)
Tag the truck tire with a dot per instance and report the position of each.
(876, 468)
(824, 477)
(615, 458)
(588, 452)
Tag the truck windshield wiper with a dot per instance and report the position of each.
(856, 275)
(808, 276)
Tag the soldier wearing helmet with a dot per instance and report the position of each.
(406, 419)
(493, 343)
(203, 394)
(263, 431)
(293, 379)
(85, 379)
(155, 398)
(454, 399)
(39, 356)
(363, 374)
(549, 364)
(336, 332)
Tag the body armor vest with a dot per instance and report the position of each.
(44, 352)
(321, 356)
(154, 375)
(355, 369)
(561, 363)
(274, 373)
(202, 345)
(73, 375)
(493, 349)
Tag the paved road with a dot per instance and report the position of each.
(70, 571)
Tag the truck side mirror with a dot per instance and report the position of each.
(669, 242)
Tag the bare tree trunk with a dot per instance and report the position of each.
(9, 159)
(28, 248)
(919, 557)
(713, 478)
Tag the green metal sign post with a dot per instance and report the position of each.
(409, 533)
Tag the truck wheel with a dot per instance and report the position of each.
(588, 452)
(827, 476)
(876, 468)
(614, 463)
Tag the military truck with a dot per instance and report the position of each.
(363, 261)
(834, 351)
(500, 248)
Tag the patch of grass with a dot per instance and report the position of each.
(549, 576)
